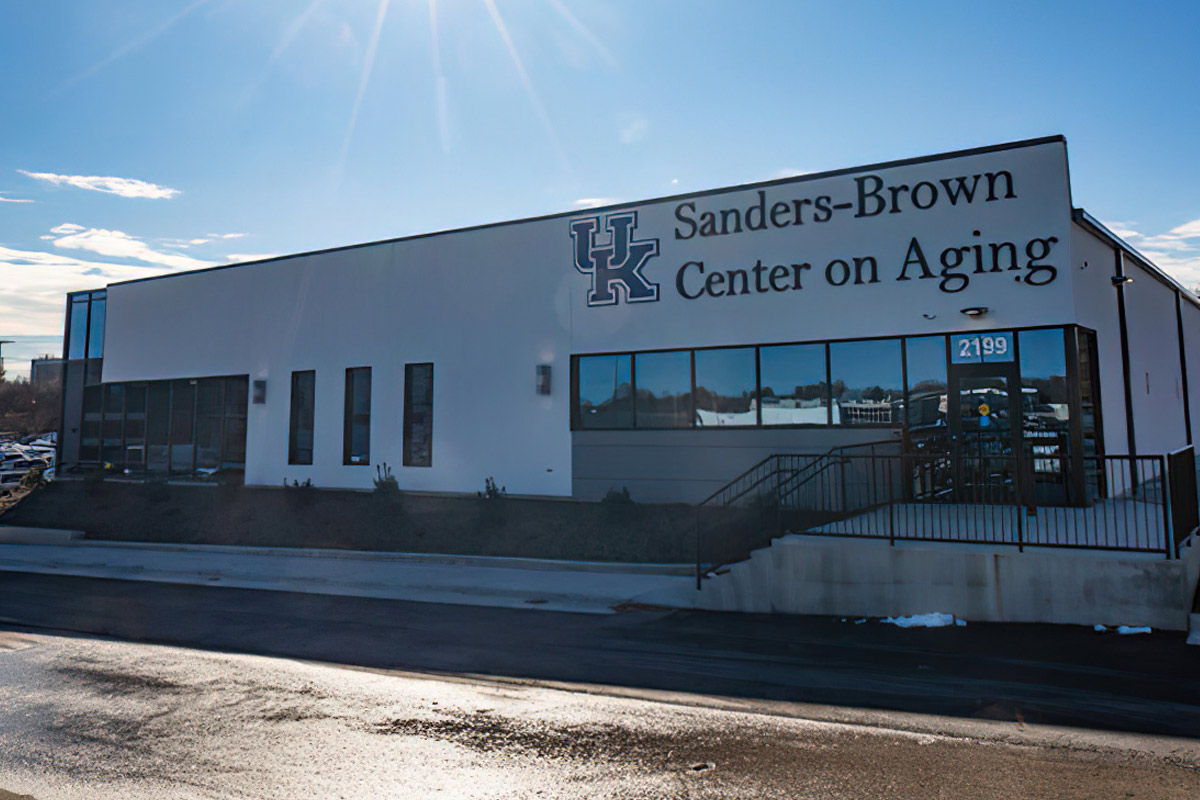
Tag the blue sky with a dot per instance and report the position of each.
(149, 136)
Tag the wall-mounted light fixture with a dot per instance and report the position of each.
(975, 311)
(1121, 280)
(543, 379)
(259, 397)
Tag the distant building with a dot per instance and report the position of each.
(46, 370)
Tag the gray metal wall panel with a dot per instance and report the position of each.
(687, 465)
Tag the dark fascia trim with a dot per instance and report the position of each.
(1086, 220)
(904, 162)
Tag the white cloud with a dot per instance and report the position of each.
(1125, 230)
(122, 187)
(1188, 230)
(1176, 252)
(66, 227)
(34, 285)
(596, 202)
(12, 199)
(237, 258)
(786, 172)
(635, 131)
(118, 244)
(224, 235)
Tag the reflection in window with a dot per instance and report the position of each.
(605, 396)
(664, 390)
(95, 347)
(112, 449)
(77, 335)
(356, 443)
(1045, 401)
(183, 407)
(794, 386)
(725, 387)
(867, 381)
(925, 357)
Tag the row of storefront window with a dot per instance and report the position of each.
(888, 382)
(177, 426)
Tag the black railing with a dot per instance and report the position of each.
(1038, 499)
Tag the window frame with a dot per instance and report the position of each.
(406, 457)
(294, 412)
(348, 420)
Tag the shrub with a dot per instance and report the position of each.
(490, 490)
(385, 481)
(615, 498)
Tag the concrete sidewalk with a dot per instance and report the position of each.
(577, 586)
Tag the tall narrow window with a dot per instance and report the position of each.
(300, 430)
(418, 415)
(356, 440)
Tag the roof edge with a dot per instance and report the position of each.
(903, 162)
(1082, 217)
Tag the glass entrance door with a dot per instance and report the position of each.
(985, 429)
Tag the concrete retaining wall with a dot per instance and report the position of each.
(844, 577)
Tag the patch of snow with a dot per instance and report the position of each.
(860, 621)
(1194, 637)
(1099, 628)
(961, 623)
(933, 620)
(1128, 629)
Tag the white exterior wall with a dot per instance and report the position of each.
(1155, 376)
(1092, 267)
(487, 305)
(431, 299)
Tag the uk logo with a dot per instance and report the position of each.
(614, 261)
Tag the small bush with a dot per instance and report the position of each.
(385, 481)
(490, 490)
(615, 498)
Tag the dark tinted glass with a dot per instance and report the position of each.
(725, 387)
(95, 348)
(664, 390)
(867, 381)
(356, 444)
(300, 436)
(78, 328)
(794, 390)
(158, 425)
(418, 415)
(605, 394)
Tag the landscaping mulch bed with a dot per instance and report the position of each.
(390, 522)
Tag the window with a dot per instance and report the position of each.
(209, 423)
(925, 364)
(418, 415)
(867, 381)
(158, 425)
(795, 389)
(135, 425)
(726, 387)
(95, 347)
(237, 397)
(112, 447)
(664, 390)
(300, 425)
(605, 392)
(183, 416)
(356, 440)
(77, 329)
(1045, 402)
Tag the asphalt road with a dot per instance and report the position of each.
(1028, 674)
(97, 719)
